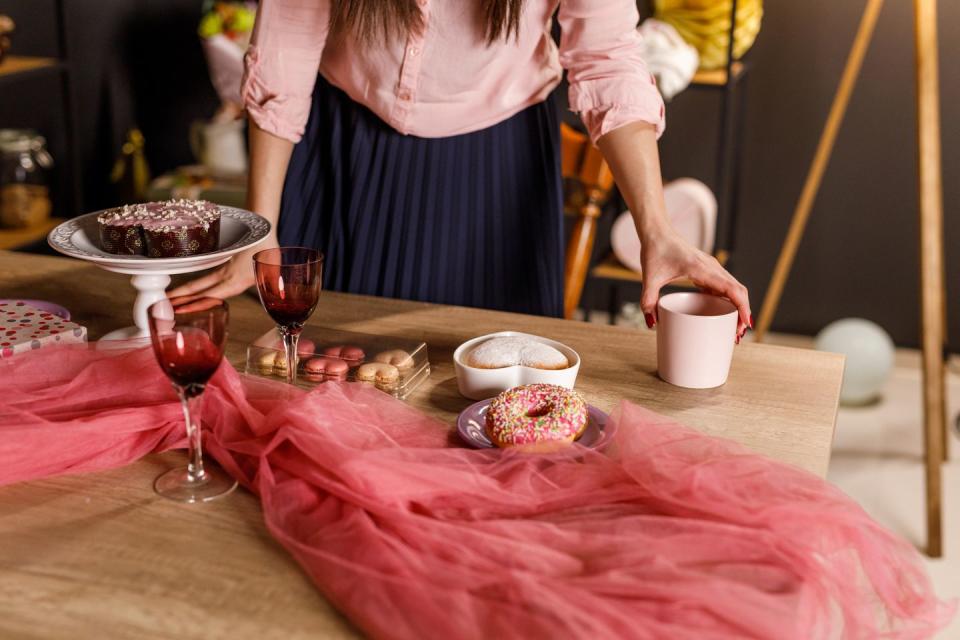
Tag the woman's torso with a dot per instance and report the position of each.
(447, 80)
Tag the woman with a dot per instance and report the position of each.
(424, 159)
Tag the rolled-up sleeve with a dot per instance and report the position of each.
(601, 50)
(280, 67)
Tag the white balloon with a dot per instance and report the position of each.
(869, 351)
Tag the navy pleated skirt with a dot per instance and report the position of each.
(474, 219)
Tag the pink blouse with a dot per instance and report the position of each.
(447, 80)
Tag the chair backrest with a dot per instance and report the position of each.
(589, 183)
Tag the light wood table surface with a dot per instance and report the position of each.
(99, 555)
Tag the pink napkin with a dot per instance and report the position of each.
(671, 534)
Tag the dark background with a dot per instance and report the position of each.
(139, 62)
(132, 63)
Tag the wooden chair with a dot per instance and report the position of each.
(588, 183)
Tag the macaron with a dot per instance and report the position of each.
(397, 357)
(345, 352)
(323, 368)
(265, 363)
(384, 376)
(280, 364)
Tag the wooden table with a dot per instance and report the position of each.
(101, 555)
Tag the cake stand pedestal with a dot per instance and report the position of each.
(78, 238)
(150, 288)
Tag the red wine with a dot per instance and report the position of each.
(188, 356)
(289, 282)
(291, 312)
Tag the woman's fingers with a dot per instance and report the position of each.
(740, 297)
(718, 281)
(668, 258)
(226, 289)
(199, 285)
(737, 294)
(649, 299)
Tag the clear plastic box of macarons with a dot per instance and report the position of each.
(394, 365)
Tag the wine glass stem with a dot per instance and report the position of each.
(291, 338)
(191, 400)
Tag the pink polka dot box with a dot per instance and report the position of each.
(25, 327)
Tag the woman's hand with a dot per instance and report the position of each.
(667, 257)
(269, 157)
(631, 152)
(232, 279)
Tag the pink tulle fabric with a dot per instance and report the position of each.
(669, 534)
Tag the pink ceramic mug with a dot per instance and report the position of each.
(695, 337)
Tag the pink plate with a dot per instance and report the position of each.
(471, 421)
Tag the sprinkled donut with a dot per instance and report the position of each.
(538, 417)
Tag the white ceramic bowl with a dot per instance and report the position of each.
(478, 384)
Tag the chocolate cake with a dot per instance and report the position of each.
(169, 229)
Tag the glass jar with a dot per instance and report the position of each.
(24, 178)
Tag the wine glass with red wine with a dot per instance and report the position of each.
(188, 336)
(288, 281)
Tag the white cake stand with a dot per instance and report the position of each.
(79, 238)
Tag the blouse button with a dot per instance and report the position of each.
(405, 96)
(413, 51)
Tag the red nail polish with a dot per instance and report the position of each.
(751, 321)
(649, 318)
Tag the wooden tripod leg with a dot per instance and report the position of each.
(820, 159)
(931, 262)
(944, 442)
(945, 432)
